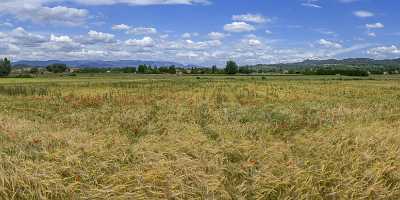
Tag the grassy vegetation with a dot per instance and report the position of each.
(167, 137)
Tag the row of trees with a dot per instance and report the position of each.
(141, 69)
(57, 68)
(231, 68)
(344, 72)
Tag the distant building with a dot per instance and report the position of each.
(74, 69)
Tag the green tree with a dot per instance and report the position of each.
(214, 69)
(129, 70)
(245, 70)
(57, 68)
(231, 67)
(142, 69)
(172, 69)
(5, 67)
(34, 70)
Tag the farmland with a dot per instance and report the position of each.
(206, 137)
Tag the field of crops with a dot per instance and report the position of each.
(167, 137)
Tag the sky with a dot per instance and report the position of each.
(203, 32)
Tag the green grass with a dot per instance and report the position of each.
(217, 137)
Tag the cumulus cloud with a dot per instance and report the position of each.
(142, 2)
(239, 27)
(189, 44)
(95, 36)
(145, 42)
(377, 25)
(252, 18)
(363, 14)
(371, 34)
(63, 38)
(329, 44)
(6, 49)
(384, 50)
(123, 27)
(6, 24)
(311, 4)
(189, 35)
(21, 37)
(217, 35)
(135, 30)
(253, 42)
(142, 31)
(37, 12)
(348, 1)
(61, 43)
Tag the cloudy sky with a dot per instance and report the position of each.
(199, 31)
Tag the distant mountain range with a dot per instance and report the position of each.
(96, 63)
(350, 61)
(364, 63)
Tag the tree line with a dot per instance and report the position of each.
(231, 68)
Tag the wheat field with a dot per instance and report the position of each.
(167, 137)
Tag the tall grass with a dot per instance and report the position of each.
(207, 138)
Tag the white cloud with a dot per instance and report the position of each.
(123, 27)
(371, 34)
(63, 38)
(100, 37)
(189, 35)
(377, 25)
(37, 12)
(217, 35)
(164, 36)
(7, 49)
(363, 14)
(61, 43)
(145, 42)
(348, 1)
(384, 50)
(21, 37)
(6, 24)
(254, 42)
(238, 27)
(252, 18)
(311, 4)
(329, 44)
(135, 30)
(142, 31)
(142, 2)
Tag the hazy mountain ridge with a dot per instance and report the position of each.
(364, 63)
(351, 61)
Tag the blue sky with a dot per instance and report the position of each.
(199, 31)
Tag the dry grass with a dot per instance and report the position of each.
(208, 138)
